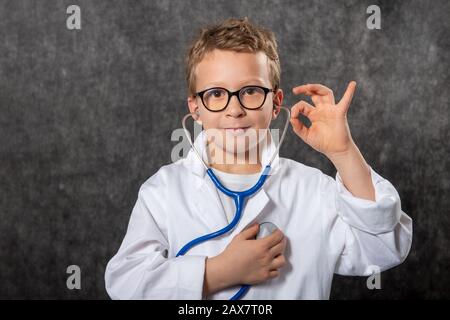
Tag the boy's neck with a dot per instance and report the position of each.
(238, 168)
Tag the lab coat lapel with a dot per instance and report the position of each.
(204, 193)
(209, 206)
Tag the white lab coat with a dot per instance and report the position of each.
(328, 230)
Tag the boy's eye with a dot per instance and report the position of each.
(215, 93)
(250, 91)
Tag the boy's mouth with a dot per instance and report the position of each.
(237, 130)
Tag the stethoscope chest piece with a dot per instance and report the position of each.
(266, 229)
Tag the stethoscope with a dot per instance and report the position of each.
(239, 198)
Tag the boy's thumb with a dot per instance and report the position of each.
(250, 232)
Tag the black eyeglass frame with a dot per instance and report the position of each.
(234, 93)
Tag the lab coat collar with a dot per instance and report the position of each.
(206, 195)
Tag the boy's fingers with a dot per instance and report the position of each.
(278, 248)
(306, 109)
(348, 96)
(274, 273)
(301, 107)
(310, 89)
(278, 262)
(299, 128)
(250, 232)
(326, 94)
(273, 239)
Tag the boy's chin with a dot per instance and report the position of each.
(239, 144)
(236, 146)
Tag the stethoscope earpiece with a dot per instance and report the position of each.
(196, 116)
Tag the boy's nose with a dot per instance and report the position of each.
(234, 108)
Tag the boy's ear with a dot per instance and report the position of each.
(277, 102)
(193, 108)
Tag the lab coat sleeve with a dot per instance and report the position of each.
(370, 236)
(141, 268)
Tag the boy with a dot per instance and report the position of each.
(352, 225)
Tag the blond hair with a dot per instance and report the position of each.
(238, 35)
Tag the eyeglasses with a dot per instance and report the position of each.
(250, 97)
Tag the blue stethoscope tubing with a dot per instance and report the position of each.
(239, 197)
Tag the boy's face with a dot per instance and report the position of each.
(233, 70)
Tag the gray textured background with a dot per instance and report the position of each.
(86, 118)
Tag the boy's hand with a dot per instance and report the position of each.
(250, 261)
(329, 132)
